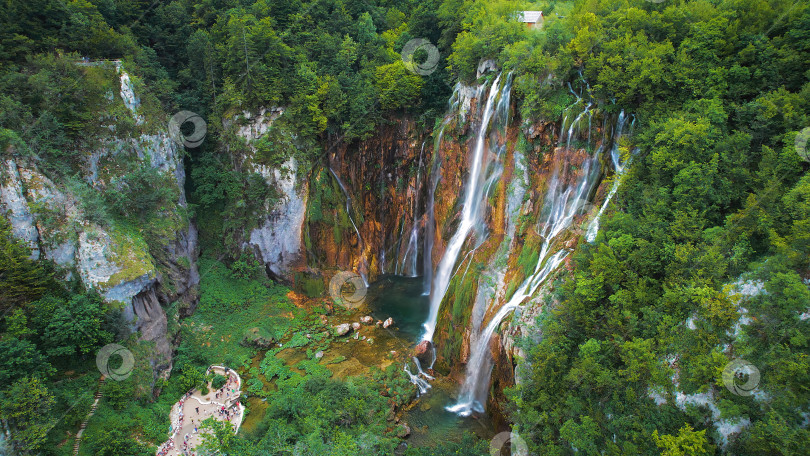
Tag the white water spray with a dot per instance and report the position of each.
(620, 168)
(471, 209)
(564, 201)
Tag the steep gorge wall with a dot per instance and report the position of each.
(383, 177)
(144, 269)
(311, 231)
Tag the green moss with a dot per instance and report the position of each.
(129, 251)
(228, 305)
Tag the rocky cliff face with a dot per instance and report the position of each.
(384, 180)
(352, 210)
(392, 203)
(144, 273)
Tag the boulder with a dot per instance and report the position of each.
(485, 66)
(356, 326)
(367, 320)
(403, 431)
(255, 337)
(342, 329)
(424, 352)
(388, 322)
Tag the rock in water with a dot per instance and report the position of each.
(388, 322)
(424, 352)
(342, 329)
(367, 320)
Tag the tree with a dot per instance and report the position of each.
(26, 407)
(583, 437)
(688, 442)
(17, 325)
(398, 87)
(20, 359)
(222, 436)
(71, 327)
(21, 279)
(112, 440)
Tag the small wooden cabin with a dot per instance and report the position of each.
(532, 18)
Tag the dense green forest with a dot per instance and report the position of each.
(716, 198)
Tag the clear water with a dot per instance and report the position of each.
(431, 424)
(400, 298)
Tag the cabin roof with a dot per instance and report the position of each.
(530, 16)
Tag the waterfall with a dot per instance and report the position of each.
(430, 219)
(415, 229)
(421, 383)
(479, 367)
(472, 205)
(619, 168)
(413, 240)
(351, 219)
(564, 200)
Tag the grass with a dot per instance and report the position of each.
(227, 306)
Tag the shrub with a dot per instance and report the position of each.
(218, 381)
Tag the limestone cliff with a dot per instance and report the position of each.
(145, 268)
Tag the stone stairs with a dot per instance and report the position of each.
(96, 399)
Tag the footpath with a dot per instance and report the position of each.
(189, 412)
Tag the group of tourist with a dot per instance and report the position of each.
(228, 391)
